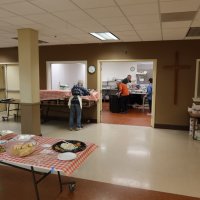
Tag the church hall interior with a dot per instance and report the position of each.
(47, 47)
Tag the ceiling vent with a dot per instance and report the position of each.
(178, 16)
(193, 32)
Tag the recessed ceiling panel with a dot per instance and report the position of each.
(179, 6)
(178, 16)
(194, 32)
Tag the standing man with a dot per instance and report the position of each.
(75, 104)
(124, 94)
(149, 94)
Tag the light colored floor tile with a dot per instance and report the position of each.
(143, 157)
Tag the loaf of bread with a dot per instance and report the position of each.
(21, 149)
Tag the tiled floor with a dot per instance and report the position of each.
(134, 156)
(134, 116)
(85, 190)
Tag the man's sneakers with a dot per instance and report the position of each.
(77, 129)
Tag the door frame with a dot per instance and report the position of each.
(7, 63)
(197, 79)
(99, 85)
(4, 64)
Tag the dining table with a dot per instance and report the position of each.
(45, 160)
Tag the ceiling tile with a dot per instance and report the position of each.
(130, 39)
(147, 26)
(71, 30)
(9, 1)
(73, 16)
(52, 6)
(140, 9)
(8, 35)
(179, 24)
(94, 3)
(67, 38)
(99, 13)
(22, 8)
(8, 27)
(144, 19)
(132, 2)
(5, 14)
(114, 21)
(46, 19)
(174, 34)
(86, 23)
(195, 23)
(97, 28)
(150, 35)
(122, 27)
(17, 20)
(127, 35)
(179, 6)
(197, 17)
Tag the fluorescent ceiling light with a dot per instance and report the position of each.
(105, 36)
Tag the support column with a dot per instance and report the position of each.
(28, 53)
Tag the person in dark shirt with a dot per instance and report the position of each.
(127, 79)
(123, 96)
(75, 104)
(149, 94)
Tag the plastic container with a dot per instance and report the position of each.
(21, 148)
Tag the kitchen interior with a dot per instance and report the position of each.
(112, 71)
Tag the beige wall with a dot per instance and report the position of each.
(166, 112)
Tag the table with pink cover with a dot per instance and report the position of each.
(55, 102)
(48, 161)
(62, 94)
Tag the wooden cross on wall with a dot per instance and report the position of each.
(176, 67)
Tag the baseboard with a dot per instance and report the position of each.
(173, 127)
(61, 118)
(92, 121)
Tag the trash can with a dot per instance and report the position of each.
(114, 103)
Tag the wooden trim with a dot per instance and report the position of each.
(173, 127)
(92, 121)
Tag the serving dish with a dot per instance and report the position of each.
(69, 146)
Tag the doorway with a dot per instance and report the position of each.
(141, 71)
(9, 82)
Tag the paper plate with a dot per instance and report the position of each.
(66, 156)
